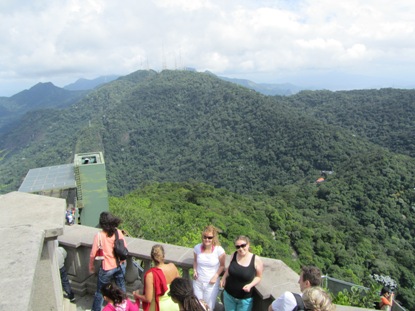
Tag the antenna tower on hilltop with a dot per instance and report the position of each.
(163, 61)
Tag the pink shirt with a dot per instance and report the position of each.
(107, 245)
(126, 305)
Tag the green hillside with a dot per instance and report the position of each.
(385, 117)
(183, 149)
(338, 229)
(177, 126)
(40, 96)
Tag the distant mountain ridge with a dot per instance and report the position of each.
(283, 89)
(47, 95)
(40, 96)
(89, 84)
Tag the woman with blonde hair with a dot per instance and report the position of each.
(157, 282)
(316, 299)
(208, 264)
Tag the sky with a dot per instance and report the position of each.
(323, 44)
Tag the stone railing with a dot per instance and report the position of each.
(277, 276)
(30, 224)
(29, 272)
(77, 240)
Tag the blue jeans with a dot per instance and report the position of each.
(65, 283)
(105, 277)
(234, 304)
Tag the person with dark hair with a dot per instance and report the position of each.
(111, 268)
(116, 299)
(181, 292)
(316, 299)
(243, 274)
(386, 299)
(310, 276)
(208, 264)
(157, 282)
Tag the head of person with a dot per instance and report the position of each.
(316, 299)
(385, 291)
(210, 236)
(113, 293)
(108, 223)
(309, 276)
(181, 292)
(157, 253)
(242, 244)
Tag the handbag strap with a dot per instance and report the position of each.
(300, 303)
(116, 257)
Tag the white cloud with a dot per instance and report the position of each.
(63, 40)
(185, 5)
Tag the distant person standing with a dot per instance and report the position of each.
(243, 274)
(208, 265)
(386, 299)
(109, 269)
(310, 276)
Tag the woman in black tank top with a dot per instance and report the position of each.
(239, 280)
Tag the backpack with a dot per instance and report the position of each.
(120, 251)
(300, 304)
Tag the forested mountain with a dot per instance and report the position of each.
(176, 126)
(40, 96)
(385, 117)
(218, 152)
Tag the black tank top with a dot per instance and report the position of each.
(238, 277)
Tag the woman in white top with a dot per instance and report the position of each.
(208, 264)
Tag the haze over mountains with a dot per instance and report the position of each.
(182, 126)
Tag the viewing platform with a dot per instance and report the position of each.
(30, 280)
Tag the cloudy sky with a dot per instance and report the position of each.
(328, 44)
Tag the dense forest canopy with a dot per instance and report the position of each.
(385, 117)
(184, 149)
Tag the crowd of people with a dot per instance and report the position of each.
(164, 289)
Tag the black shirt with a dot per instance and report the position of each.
(238, 277)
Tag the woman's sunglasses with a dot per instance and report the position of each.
(207, 237)
(239, 246)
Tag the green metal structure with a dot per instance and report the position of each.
(91, 183)
(82, 184)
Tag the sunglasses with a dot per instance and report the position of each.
(208, 237)
(239, 246)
